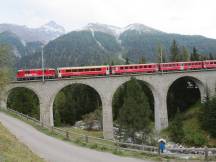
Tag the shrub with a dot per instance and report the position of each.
(195, 138)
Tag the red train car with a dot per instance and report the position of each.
(171, 66)
(33, 74)
(134, 68)
(209, 64)
(178, 66)
(192, 65)
(66, 72)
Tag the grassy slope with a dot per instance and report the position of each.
(192, 126)
(13, 151)
(98, 134)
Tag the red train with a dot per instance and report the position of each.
(67, 72)
(34, 74)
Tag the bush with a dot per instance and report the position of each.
(208, 116)
(93, 146)
(176, 129)
(195, 138)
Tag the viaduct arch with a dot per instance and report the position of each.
(106, 87)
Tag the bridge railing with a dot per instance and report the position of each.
(101, 143)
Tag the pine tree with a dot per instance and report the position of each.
(211, 57)
(195, 56)
(25, 101)
(176, 128)
(208, 116)
(6, 63)
(135, 113)
(127, 61)
(142, 60)
(185, 54)
(174, 51)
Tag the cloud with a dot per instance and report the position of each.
(176, 16)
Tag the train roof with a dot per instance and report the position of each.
(82, 67)
(36, 69)
(137, 64)
(180, 62)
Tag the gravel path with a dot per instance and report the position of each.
(54, 150)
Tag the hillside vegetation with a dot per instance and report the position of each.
(193, 134)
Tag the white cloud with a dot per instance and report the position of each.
(175, 16)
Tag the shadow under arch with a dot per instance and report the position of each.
(78, 94)
(24, 100)
(188, 90)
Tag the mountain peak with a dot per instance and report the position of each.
(140, 28)
(109, 29)
(53, 27)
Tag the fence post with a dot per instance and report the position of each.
(67, 135)
(52, 129)
(206, 153)
(86, 139)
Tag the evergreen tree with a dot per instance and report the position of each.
(176, 128)
(135, 113)
(25, 101)
(211, 57)
(6, 63)
(174, 51)
(142, 60)
(73, 102)
(185, 54)
(127, 61)
(195, 56)
(208, 116)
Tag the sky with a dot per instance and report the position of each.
(193, 17)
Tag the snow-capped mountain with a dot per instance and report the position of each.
(44, 34)
(141, 28)
(52, 27)
(117, 31)
(109, 29)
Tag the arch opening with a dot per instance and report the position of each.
(182, 94)
(133, 111)
(24, 100)
(78, 105)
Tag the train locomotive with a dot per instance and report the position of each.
(104, 70)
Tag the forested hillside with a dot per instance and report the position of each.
(95, 46)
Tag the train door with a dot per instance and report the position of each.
(108, 70)
(181, 66)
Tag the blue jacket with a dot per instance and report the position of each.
(162, 145)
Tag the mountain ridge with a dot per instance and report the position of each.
(44, 33)
(96, 44)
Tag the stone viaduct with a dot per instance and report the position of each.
(159, 84)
